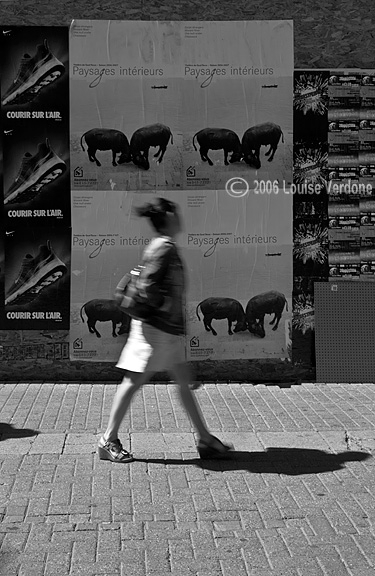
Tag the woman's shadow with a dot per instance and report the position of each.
(8, 431)
(288, 461)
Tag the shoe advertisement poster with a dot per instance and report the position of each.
(35, 126)
(108, 241)
(180, 105)
(239, 263)
(37, 279)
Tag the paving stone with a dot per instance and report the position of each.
(162, 442)
(301, 439)
(10, 446)
(81, 443)
(243, 441)
(48, 444)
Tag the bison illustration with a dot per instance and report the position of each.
(144, 138)
(257, 136)
(266, 303)
(220, 308)
(106, 139)
(103, 311)
(217, 139)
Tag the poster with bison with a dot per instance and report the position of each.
(107, 242)
(239, 263)
(237, 102)
(126, 94)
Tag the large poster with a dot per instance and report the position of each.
(237, 92)
(37, 277)
(201, 113)
(35, 187)
(126, 89)
(108, 240)
(239, 260)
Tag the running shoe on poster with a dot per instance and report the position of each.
(34, 73)
(35, 172)
(35, 275)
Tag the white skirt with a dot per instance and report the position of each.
(149, 349)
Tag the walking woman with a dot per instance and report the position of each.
(158, 343)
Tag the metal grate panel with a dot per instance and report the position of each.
(345, 331)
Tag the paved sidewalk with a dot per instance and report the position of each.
(296, 499)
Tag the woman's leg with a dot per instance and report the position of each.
(182, 375)
(131, 382)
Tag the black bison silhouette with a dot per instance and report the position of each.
(144, 138)
(266, 303)
(106, 139)
(217, 139)
(257, 136)
(220, 308)
(101, 310)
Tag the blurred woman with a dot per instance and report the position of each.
(158, 343)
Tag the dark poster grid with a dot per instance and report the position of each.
(35, 218)
(367, 175)
(310, 205)
(351, 160)
(343, 172)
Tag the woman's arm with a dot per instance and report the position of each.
(119, 292)
(151, 278)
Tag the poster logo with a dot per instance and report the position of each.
(190, 172)
(78, 172)
(194, 342)
(77, 344)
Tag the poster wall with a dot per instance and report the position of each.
(334, 136)
(201, 113)
(35, 186)
(167, 105)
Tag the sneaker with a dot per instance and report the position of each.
(35, 274)
(35, 172)
(34, 74)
